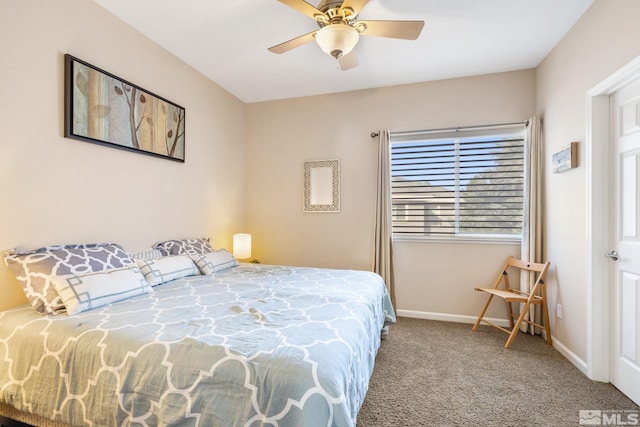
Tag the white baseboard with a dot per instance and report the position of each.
(446, 317)
(570, 355)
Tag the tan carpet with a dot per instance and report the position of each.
(431, 373)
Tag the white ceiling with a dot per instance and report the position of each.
(227, 41)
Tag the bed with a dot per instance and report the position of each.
(249, 345)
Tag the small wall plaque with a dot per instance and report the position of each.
(566, 159)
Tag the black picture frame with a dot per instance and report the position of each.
(104, 109)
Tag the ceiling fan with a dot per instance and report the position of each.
(340, 29)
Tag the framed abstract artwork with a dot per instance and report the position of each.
(104, 109)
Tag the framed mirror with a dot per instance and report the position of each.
(321, 186)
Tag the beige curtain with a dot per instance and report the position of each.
(382, 260)
(531, 249)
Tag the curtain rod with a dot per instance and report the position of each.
(375, 134)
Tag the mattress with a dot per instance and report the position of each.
(253, 345)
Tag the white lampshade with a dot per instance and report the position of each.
(337, 39)
(242, 246)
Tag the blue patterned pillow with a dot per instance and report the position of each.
(34, 269)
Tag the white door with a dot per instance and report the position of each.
(625, 241)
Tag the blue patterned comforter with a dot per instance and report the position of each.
(251, 346)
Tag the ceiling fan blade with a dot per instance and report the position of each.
(293, 43)
(355, 5)
(348, 61)
(408, 30)
(303, 7)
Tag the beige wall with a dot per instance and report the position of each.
(281, 135)
(57, 190)
(601, 42)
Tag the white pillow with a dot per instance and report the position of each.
(158, 271)
(214, 261)
(80, 292)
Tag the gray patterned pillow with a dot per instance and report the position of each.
(34, 269)
(148, 254)
(184, 246)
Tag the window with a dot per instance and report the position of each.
(458, 183)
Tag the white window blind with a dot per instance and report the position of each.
(458, 183)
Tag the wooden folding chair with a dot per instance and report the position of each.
(537, 295)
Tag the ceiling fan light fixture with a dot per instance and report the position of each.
(337, 39)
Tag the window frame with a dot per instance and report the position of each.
(514, 130)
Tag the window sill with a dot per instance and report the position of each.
(480, 240)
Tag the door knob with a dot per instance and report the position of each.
(613, 255)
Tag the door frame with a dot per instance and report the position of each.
(598, 218)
